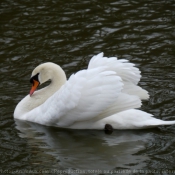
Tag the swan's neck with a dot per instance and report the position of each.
(58, 78)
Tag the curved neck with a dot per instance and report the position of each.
(58, 78)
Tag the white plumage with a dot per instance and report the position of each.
(105, 93)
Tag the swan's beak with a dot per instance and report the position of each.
(34, 87)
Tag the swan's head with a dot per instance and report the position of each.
(45, 72)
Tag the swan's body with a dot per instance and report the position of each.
(105, 93)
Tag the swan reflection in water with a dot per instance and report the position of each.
(86, 149)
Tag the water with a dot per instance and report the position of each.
(69, 33)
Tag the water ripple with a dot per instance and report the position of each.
(70, 33)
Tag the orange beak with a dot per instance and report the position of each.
(34, 87)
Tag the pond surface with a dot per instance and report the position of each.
(69, 33)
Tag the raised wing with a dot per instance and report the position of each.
(122, 67)
(129, 74)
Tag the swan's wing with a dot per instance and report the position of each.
(132, 89)
(127, 71)
(122, 103)
(85, 95)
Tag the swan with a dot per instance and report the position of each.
(106, 94)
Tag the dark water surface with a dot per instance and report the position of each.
(69, 33)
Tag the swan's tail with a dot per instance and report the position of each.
(134, 119)
(129, 119)
(162, 122)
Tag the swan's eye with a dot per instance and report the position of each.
(35, 77)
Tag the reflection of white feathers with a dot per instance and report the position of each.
(105, 93)
(79, 149)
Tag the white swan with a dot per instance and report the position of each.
(105, 93)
